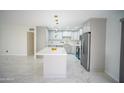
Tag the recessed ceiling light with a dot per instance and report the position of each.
(56, 20)
(56, 16)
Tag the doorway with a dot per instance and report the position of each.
(30, 43)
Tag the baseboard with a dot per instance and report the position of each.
(97, 69)
(115, 80)
(13, 54)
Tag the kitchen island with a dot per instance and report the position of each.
(54, 62)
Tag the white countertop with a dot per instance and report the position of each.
(48, 51)
(58, 43)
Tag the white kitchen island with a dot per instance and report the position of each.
(54, 62)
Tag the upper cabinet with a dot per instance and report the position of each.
(80, 31)
(86, 27)
(54, 35)
(67, 33)
(75, 35)
(59, 35)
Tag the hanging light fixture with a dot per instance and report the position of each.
(56, 19)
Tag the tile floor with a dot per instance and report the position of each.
(20, 69)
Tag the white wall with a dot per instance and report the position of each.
(98, 37)
(113, 39)
(14, 39)
(41, 38)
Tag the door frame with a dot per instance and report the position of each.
(121, 73)
(33, 41)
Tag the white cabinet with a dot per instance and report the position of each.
(54, 35)
(86, 27)
(80, 31)
(50, 35)
(75, 35)
(58, 35)
(66, 34)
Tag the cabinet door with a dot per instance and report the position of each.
(67, 33)
(86, 27)
(60, 35)
(55, 35)
(74, 36)
(80, 31)
(50, 35)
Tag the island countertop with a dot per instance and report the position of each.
(54, 62)
(49, 51)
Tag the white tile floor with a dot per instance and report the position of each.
(25, 69)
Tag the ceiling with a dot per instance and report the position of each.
(68, 19)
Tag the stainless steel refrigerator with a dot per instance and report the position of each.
(85, 50)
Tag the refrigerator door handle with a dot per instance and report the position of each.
(82, 46)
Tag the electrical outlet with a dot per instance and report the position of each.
(7, 51)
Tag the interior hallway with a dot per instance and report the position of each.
(26, 69)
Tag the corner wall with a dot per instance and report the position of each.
(113, 41)
(14, 39)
